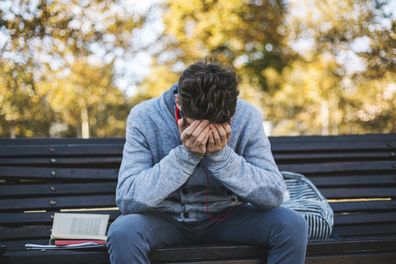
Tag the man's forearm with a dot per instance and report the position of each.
(142, 188)
(262, 186)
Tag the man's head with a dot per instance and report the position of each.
(208, 90)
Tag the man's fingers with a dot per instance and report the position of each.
(202, 136)
(216, 135)
(211, 138)
(190, 129)
(197, 131)
(222, 132)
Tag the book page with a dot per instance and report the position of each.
(79, 226)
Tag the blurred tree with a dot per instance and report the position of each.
(313, 67)
(352, 57)
(41, 38)
(23, 108)
(308, 64)
(86, 100)
(248, 35)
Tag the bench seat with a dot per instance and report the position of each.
(356, 173)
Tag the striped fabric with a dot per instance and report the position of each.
(306, 199)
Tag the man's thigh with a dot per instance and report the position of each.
(153, 228)
(252, 226)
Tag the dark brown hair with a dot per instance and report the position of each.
(208, 90)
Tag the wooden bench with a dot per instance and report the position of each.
(41, 176)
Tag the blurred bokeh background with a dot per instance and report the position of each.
(72, 68)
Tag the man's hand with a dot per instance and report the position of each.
(218, 138)
(195, 136)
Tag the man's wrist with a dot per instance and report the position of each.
(187, 156)
(223, 153)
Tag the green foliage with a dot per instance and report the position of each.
(313, 67)
(302, 90)
(49, 84)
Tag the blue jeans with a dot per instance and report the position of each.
(282, 230)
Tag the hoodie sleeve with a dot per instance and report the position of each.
(254, 176)
(141, 184)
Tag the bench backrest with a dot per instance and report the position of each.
(38, 177)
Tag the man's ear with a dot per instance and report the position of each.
(177, 101)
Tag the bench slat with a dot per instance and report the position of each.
(17, 219)
(55, 189)
(58, 202)
(359, 206)
(9, 149)
(359, 192)
(353, 166)
(280, 158)
(334, 138)
(58, 173)
(361, 180)
(92, 161)
(365, 229)
(365, 218)
(56, 150)
(330, 146)
(201, 252)
(327, 156)
(112, 173)
(341, 222)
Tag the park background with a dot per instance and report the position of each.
(73, 68)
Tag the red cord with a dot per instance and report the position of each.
(210, 216)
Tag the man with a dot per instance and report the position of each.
(197, 167)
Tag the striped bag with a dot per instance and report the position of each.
(306, 199)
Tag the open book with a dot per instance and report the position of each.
(79, 226)
(76, 231)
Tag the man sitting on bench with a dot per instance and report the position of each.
(197, 167)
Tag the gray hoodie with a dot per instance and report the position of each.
(159, 173)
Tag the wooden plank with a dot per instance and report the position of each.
(311, 168)
(37, 231)
(58, 173)
(85, 147)
(60, 150)
(353, 180)
(25, 232)
(283, 157)
(30, 218)
(218, 250)
(358, 192)
(361, 258)
(26, 161)
(365, 229)
(364, 206)
(60, 257)
(365, 218)
(334, 146)
(55, 189)
(198, 253)
(352, 166)
(286, 139)
(61, 141)
(54, 150)
(63, 202)
(334, 138)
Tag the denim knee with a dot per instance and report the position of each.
(124, 232)
(293, 226)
